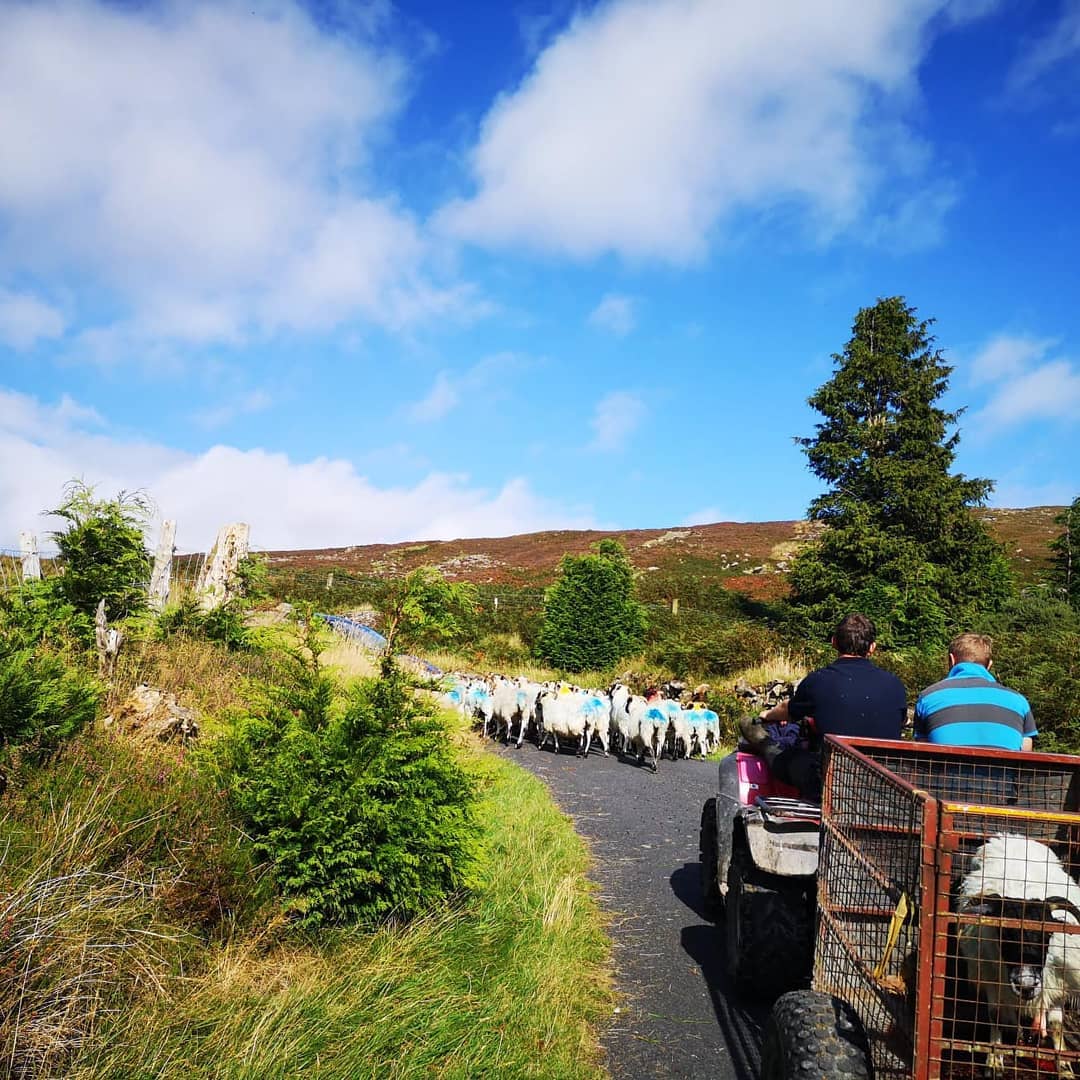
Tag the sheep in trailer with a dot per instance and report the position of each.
(1022, 973)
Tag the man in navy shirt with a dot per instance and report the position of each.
(852, 696)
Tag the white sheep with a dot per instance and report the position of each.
(507, 704)
(1021, 972)
(647, 729)
(478, 702)
(620, 728)
(561, 716)
(678, 728)
(596, 707)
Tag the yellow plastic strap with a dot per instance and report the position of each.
(899, 917)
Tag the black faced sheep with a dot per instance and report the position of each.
(1022, 972)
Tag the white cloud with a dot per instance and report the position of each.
(288, 504)
(1050, 391)
(208, 165)
(1060, 43)
(440, 399)
(25, 319)
(450, 389)
(1025, 382)
(647, 123)
(618, 415)
(1005, 355)
(251, 401)
(615, 314)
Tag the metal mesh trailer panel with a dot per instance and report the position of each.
(903, 829)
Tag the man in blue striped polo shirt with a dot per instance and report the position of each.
(969, 707)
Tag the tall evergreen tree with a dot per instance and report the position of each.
(1065, 569)
(591, 616)
(901, 543)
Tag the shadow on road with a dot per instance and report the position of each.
(686, 885)
(741, 1022)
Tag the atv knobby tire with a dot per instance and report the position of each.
(709, 853)
(768, 929)
(813, 1036)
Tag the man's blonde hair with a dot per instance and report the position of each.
(972, 648)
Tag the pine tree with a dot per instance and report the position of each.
(901, 543)
(591, 616)
(1065, 568)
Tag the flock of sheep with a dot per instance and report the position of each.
(560, 712)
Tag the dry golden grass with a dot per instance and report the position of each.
(781, 666)
(203, 674)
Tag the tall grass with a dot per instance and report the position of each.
(512, 984)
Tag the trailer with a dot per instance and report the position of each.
(890, 996)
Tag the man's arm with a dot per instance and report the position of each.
(1029, 743)
(778, 714)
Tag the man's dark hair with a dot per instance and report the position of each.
(854, 634)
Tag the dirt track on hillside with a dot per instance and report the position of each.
(677, 1017)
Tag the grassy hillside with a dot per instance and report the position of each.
(748, 557)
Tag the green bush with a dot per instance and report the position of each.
(358, 802)
(697, 643)
(592, 619)
(101, 552)
(38, 613)
(43, 700)
(223, 624)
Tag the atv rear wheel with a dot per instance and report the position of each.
(709, 853)
(813, 1036)
(768, 929)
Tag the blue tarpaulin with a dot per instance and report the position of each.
(355, 631)
(371, 639)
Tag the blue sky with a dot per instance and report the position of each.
(390, 271)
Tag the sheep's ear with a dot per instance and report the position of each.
(1060, 903)
(981, 905)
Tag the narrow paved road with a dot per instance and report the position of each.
(678, 1017)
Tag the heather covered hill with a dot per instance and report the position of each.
(750, 557)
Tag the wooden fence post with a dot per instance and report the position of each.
(31, 563)
(161, 578)
(216, 584)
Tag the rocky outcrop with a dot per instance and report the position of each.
(151, 715)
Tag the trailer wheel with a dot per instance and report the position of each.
(709, 853)
(814, 1036)
(768, 934)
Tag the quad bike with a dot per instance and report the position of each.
(759, 860)
(873, 873)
